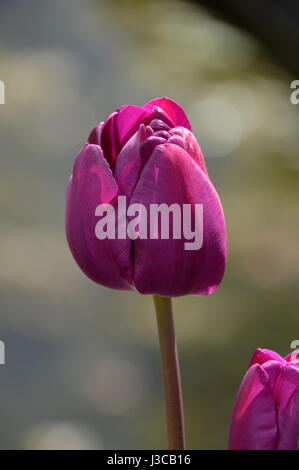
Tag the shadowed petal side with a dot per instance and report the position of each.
(107, 262)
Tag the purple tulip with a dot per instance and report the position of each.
(149, 155)
(266, 412)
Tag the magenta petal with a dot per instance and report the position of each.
(264, 355)
(107, 262)
(288, 409)
(174, 111)
(119, 127)
(253, 423)
(128, 163)
(95, 135)
(164, 267)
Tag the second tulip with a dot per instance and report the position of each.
(266, 412)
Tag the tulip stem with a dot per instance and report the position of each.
(171, 374)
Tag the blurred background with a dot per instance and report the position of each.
(82, 362)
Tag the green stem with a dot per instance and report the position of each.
(171, 374)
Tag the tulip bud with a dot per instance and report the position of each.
(150, 156)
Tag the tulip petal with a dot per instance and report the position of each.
(119, 127)
(264, 355)
(288, 409)
(163, 266)
(191, 145)
(253, 423)
(175, 112)
(128, 164)
(95, 135)
(107, 262)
